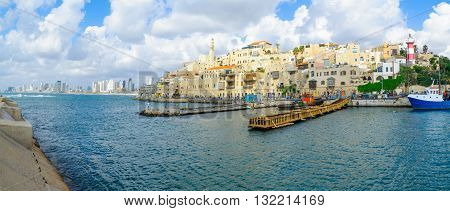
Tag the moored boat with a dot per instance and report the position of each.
(432, 99)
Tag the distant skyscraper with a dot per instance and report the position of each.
(57, 87)
(130, 84)
(64, 88)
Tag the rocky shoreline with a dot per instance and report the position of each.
(23, 165)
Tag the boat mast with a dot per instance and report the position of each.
(439, 69)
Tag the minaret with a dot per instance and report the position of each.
(212, 53)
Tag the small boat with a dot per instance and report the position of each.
(290, 106)
(309, 100)
(432, 99)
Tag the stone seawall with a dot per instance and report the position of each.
(23, 166)
(399, 102)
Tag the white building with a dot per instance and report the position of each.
(386, 70)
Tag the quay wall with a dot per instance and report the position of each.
(399, 102)
(23, 165)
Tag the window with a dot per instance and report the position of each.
(312, 73)
(343, 72)
(322, 83)
(343, 83)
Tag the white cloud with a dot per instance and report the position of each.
(35, 48)
(271, 28)
(218, 16)
(130, 20)
(345, 21)
(436, 30)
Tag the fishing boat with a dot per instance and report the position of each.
(432, 99)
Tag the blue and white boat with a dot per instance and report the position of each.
(432, 99)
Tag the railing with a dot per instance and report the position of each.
(281, 120)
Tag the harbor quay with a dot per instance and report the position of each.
(23, 165)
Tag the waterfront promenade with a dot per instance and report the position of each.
(23, 166)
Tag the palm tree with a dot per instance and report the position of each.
(425, 49)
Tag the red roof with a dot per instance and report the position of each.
(222, 67)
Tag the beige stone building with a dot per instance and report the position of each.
(261, 69)
(329, 81)
(388, 50)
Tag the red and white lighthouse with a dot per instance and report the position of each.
(410, 60)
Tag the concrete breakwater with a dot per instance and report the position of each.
(191, 111)
(185, 100)
(23, 166)
(208, 109)
(394, 102)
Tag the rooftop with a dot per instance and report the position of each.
(222, 67)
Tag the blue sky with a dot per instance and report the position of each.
(95, 11)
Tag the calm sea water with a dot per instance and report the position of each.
(101, 143)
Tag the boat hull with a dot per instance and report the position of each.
(429, 105)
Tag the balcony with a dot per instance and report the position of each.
(248, 86)
(230, 74)
(221, 86)
(230, 79)
(249, 79)
(230, 87)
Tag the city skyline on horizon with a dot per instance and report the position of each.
(50, 54)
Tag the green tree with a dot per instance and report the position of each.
(409, 75)
(402, 52)
(425, 49)
(386, 84)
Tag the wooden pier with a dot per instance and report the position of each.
(285, 119)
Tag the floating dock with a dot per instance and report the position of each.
(286, 119)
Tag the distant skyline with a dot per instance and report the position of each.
(166, 34)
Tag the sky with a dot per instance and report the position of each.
(79, 41)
